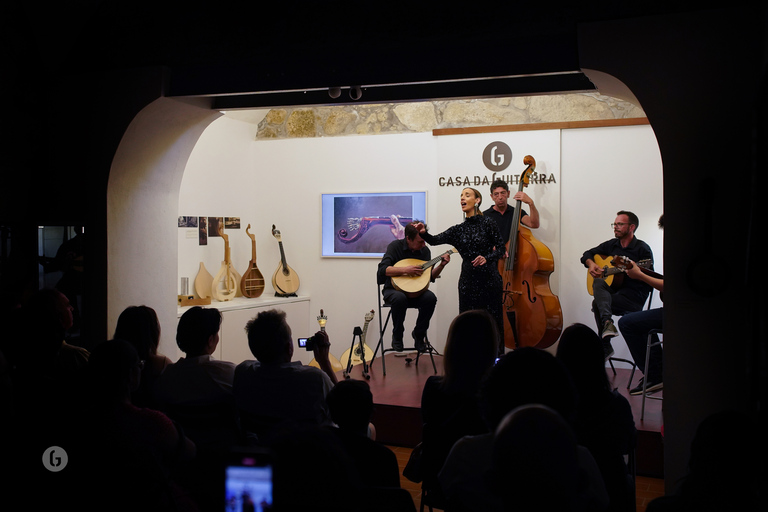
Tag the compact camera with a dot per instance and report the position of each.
(307, 343)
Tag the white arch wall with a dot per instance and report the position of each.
(142, 206)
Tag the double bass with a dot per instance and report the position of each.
(532, 313)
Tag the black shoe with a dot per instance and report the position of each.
(397, 345)
(420, 344)
(653, 385)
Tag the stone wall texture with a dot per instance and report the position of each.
(373, 119)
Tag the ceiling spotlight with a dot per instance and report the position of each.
(334, 92)
(355, 92)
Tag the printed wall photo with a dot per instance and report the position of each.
(362, 225)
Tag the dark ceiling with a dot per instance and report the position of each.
(254, 54)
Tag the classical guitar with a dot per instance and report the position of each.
(285, 281)
(224, 285)
(413, 286)
(612, 274)
(252, 283)
(359, 352)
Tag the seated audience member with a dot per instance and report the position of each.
(196, 390)
(350, 403)
(449, 403)
(604, 422)
(535, 461)
(147, 446)
(198, 378)
(139, 326)
(525, 376)
(277, 392)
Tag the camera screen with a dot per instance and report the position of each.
(302, 342)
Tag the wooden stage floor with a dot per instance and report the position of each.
(397, 397)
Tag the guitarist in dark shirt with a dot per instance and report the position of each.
(412, 246)
(633, 293)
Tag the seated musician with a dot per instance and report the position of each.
(632, 294)
(412, 246)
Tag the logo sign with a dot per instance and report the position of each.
(55, 459)
(497, 156)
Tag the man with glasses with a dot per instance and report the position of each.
(613, 299)
(502, 212)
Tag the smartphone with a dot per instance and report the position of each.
(248, 481)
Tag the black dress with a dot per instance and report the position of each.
(479, 287)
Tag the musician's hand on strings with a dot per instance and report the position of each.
(522, 196)
(412, 270)
(594, 270)
(397, 229)
(446, 259)
(633, 270)
(479, 261)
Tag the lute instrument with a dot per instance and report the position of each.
(285, 281)
(225, 283)
(413, 286)
(252, 282)
(532, 313)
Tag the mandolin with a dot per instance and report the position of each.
(359, 352)
(413, 286)
(224, 285)
(252, 282)
(285, 281)
(612, 274)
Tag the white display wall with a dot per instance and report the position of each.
(592, 173)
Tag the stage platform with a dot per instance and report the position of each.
(397, 396)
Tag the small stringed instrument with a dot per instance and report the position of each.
(413, 286)
(612, 274)
(252, 283)
(285, 280)
(203, 282)
(225, 283)
(335, 363)
(360, 351)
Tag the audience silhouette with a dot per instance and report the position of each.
(535, 458)
(296, 392)
(350, 403)
(139, 326)
(449, 403)
(604, 423)
(525, 376)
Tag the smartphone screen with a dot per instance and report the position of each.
(248, 484)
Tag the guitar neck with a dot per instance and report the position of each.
(282, 257)
(434, 261)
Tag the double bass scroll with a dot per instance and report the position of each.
(532, 313)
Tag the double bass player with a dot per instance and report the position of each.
(502, 212)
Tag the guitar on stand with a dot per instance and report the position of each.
(252, 283)
(285, 281)
(359, 352)
(413, 286)
(224, 285)
(335, 363)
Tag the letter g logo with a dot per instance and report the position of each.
(497, 156)
(55, 459)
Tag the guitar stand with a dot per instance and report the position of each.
(278, 294)
(357, 333)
